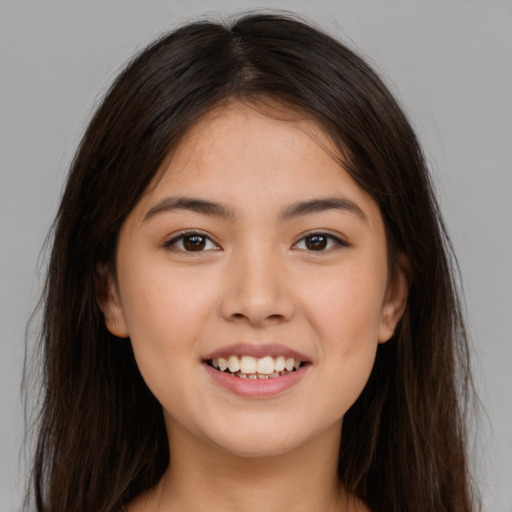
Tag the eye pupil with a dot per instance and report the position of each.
(316, 242)
(194, 242)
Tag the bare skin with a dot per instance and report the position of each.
(202, 480)
(254, 237)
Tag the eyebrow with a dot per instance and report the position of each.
(214, 209)
(321, 205)
(202, 206)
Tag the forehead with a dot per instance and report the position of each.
(240, 131)
(247, 156)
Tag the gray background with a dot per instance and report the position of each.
(450, 64)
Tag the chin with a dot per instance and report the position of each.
(260, 440)
(255, 447)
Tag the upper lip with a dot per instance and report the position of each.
(257, 351)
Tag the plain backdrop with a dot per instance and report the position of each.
(448, 61)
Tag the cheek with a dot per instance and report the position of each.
(345, 312)
(349, 328)
(345, 305)
(165, 312)
(165, 300)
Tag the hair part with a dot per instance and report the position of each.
(403, 443)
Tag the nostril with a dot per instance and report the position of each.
(272, 318)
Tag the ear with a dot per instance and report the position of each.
(395, 301)
(107, 296)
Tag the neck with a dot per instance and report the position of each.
(202, 477)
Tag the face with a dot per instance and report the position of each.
(252, 280)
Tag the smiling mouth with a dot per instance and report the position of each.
(248, 367)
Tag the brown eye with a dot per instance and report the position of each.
(194, 242)
(316, 242)
(320, 242)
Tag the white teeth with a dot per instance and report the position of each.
(233, 364)
(279, 363)
(265, 365)
(248, 364)
(290, 362)
(250, 367)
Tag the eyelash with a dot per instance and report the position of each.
(173, 243)
(336, 242)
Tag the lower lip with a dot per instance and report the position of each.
(256, 388)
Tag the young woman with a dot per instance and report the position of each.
(250, 302)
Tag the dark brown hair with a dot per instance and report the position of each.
(102, 439)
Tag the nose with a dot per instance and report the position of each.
(257, 290)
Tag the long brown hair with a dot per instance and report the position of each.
(102, 439)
